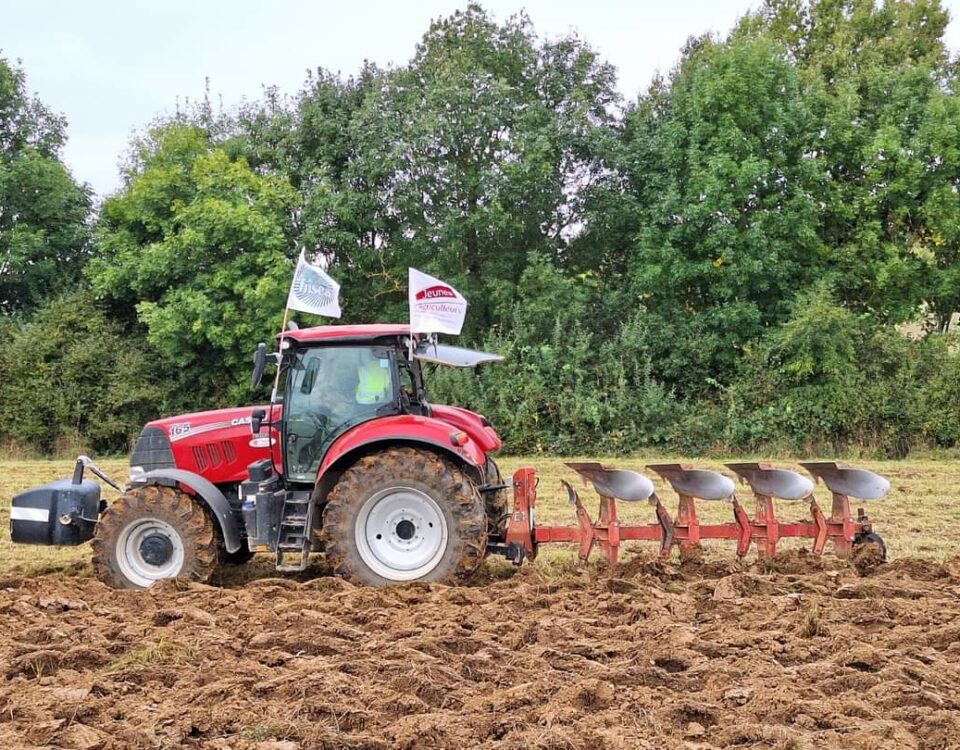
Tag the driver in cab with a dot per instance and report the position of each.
(357, 386)
(346, 387)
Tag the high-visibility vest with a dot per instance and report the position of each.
(374, 385)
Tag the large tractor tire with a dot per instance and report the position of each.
(151, 533)
(497, 504)
(404, 515)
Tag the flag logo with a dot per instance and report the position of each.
(435, 306)
(313, 291)
(438, 291)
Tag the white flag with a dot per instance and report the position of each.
(435, 306)
(313, 291)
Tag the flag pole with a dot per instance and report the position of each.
(283, 332)
(276, 382)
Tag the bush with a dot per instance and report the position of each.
(565, 389)
(828, 381)
(74, 377)
(937, 400)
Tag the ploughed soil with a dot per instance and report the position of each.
(791, 653)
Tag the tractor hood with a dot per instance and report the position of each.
(184, 426)
(216, 444)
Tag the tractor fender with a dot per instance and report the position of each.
(203, 490)
(406, 429)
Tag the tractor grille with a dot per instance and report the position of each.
(152, 450)
(212, 455)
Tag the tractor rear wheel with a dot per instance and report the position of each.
(151, 533)
(404, 515)
(497, 503)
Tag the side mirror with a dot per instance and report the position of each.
(256, 420)
(259, 363)
(310, 376)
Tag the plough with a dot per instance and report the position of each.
(684, 530)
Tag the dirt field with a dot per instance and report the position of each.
(652, 656)
(801, 653)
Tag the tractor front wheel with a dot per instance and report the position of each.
(151, 533)
(404, 515)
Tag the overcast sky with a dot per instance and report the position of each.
(111, 66)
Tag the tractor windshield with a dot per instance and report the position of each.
(329, 390)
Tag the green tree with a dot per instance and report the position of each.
(43, 212)
(342, 213)
(725, 219)
(473, 155)
(200, 246)
(868, 72)
(936, 149)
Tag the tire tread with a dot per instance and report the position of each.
(455, 489)
(198, 531)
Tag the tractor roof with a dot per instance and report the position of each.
(348, 332)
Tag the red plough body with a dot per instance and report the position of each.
(684, 529)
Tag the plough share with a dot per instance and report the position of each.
(769, 484)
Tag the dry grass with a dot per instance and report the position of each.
(163, 653)
(17, 475)
(920, 517)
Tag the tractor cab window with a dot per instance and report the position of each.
(412, 396)
(329, 390)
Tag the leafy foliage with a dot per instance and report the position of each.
(869, 73)
(43, 212)
(829, 379)
(727, 262)
(201, 244)
(727, 227)
(75, 377)
(461, 163)
(566, 386)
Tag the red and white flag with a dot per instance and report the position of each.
(435, 306)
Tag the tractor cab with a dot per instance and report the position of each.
(333, 379)
(328, 391)
(365, 460)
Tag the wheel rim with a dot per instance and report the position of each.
(401, 533)
(149, 550)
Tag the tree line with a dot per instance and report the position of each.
(760, 252)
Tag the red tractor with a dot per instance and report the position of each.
(350, 459)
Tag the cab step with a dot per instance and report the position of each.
(296, 522)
